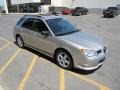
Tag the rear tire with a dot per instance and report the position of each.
(73, 14)
(117, 14)
(19, 41)
(64, 59)
(105, 16)
(86, 13)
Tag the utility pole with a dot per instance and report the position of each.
(5, 6)
(17, 6)
(72, 3)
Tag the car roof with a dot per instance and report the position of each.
(46, 17)
(113, 8)
(51, 17)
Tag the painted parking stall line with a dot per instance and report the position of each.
(4, 47)
(62, 75)
(100, 86)
(5, 66)
(25, 78)
(62, 80)
(1, 88)
(90, 81)
(6, 40)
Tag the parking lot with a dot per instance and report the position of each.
(27, 69)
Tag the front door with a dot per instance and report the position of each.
(45, 43)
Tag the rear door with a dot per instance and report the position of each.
(27, 31)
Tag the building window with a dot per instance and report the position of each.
(46, 2)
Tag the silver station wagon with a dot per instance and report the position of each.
(56, 37)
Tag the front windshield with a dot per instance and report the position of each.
(61, 26)
(112, 8)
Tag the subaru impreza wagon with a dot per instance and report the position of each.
(56, 37)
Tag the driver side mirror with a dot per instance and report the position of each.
(46, 33)
(77, 27)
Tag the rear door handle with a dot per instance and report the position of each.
(21, 30)
(34, 34)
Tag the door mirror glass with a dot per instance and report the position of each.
(46, 33)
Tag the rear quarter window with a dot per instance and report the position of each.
(20, 20)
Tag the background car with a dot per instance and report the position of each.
(79, 11)
(110, 12)
(2, 11)
(66, 11)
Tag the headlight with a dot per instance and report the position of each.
(89, 53)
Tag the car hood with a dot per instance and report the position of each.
(84, 40)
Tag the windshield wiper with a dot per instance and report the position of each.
(67, 33)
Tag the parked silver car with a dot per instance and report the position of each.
(59, 39)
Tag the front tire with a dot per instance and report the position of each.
(64, 59)
(19, 41)
(86, 13)
(105, 16)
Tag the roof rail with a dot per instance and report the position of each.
(33, 15)
(40, 15)
(47, 14)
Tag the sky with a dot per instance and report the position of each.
(1, 2)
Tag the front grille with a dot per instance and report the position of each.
(101, 60)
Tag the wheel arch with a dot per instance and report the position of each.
(63, 49)
(17, 35)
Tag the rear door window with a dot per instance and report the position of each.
(28, 24)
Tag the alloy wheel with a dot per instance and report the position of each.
(63, 60)
(20, 42)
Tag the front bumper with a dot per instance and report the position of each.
(90, 68)
(108, 14)
(90, 63)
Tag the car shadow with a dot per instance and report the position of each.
(106, 17)
(37, 53)
(75, 70)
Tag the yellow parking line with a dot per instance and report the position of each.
(62, 80)
(4, 47)
(9, 61)
(25, 78)
(100, 86)
(6, 40)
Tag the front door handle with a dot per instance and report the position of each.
(21, 30)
